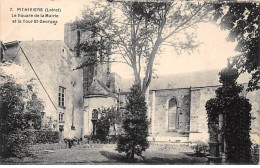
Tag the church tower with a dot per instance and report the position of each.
(100, 86)
(96, 65)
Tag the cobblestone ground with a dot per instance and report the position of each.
(106, 156)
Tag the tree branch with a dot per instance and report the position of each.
(174, 31)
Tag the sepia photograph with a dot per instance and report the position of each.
(129, 82)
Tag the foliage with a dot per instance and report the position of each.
(16, 110)
(102, 128)
(200, 148)
(137, 30)
(255, 153)
(237, 118)
(14, 145)
(242, 21)
(12, 107)
(114, 116)
(135, 125)
(42, 136)
(33, 109)
(110, 118)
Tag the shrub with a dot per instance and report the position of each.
(14, 145)
(200, 148)
(255, 153)
(106, 125)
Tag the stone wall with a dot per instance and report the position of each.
(159, 114)
(198, 114)
(162, 98)
(254, 99)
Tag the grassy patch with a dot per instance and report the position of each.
(152, 157)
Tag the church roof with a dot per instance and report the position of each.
(185, 80)
(97, 88)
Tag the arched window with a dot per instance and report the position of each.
(94, 114)
(172, 115)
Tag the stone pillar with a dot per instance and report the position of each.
(221, 139)
(216, 144)
(214, 153)
(220, 135)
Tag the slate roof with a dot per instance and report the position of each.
(97, 88)
(185, 80)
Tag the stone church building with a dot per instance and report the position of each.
(73, 97)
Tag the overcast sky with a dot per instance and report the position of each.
(212, 53)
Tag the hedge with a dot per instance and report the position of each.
(16, 144)
(42, 136)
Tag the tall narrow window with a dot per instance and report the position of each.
(61, 117)
(62, 96)
(172, 115)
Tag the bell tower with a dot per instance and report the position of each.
(96, 64)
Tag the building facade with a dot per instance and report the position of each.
(51, 64)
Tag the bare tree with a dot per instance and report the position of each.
(138, 30)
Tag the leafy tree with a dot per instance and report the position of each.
(12, 107)
(135, 125)
(15, 113)
(242, 20)
(110, 117)
(237, 119)
(137, 30)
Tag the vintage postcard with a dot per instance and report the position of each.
(129, 82)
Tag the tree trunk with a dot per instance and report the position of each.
(149, 70)
(137, 76)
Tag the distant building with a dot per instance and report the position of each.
(176, 103)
